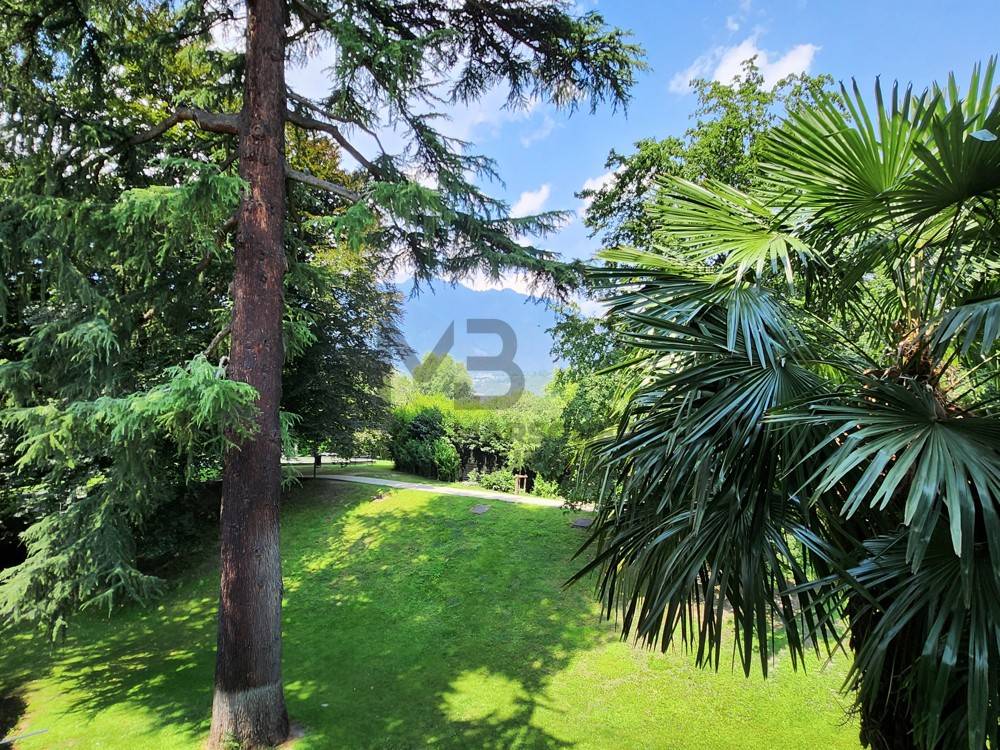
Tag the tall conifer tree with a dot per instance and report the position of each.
(121, 128)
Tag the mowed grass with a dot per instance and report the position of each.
(409, 623)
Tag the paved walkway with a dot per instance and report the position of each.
(439, 490)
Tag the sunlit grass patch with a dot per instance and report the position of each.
(411, 622)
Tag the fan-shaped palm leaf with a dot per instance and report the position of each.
(805, 460)
(844, 166)
(960, 161)
(717, 223)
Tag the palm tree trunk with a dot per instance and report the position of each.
(886, 722)
(249, 703)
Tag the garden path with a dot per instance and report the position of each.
(505, 497)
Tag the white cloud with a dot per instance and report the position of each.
(602, 180)
(594, 183)
(725, 63)
(477, 282)
(591, 307)
(421, 177)
(518, 282)
(483, 117)
(476, 121)
(531, 201)
(736, 20)
(542, 132)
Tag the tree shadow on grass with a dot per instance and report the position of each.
(408, 622)
(159, 658)
(430, 625)
(11, 709)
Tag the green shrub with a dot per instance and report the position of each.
(414, 456)
(501, 480)
(426, 425)
(585, 483)
(552, 457)
(447, 464)
(545, 488)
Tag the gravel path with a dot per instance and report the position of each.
(438, 490)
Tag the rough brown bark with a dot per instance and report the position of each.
(249, 703)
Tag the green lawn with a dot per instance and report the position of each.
(409, 623)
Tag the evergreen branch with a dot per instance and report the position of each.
(310, 104)
(228, 226)
(331, 187)
(309, 15)
(212, 121)
(311, 123)
(217, 339)
(311, 19)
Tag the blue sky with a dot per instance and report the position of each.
(551, 156)
(545, 156)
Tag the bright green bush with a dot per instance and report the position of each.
(501, 480)
(447, 464)
(414, 456)
(545, 488)
(484, 439)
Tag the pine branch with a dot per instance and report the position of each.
(331, 187)
(228, 226)
(308, 14)
(211, 121)
(310, 18)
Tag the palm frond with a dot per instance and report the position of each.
(976, 321)
(729, 229)
(843, 162)
(897, 444)
(921, 618)
(703, 519)
(960, 160)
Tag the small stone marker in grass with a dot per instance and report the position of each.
(582, 522)
(480, 509)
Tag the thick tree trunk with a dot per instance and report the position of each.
(887, 722)
(249, 702)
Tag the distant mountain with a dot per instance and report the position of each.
(427, 316)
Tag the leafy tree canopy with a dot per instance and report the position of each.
(442, 375)
(723, 144)
(118, 131)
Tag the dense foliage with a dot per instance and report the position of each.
(148, 218)
(119, 124)
(485, 437)
(723, 144)
(334, 386)
(441, 374)
(106, 438)
(813, 442)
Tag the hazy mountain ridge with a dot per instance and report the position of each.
(427, 315)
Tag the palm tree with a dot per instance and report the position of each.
(812, 440)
